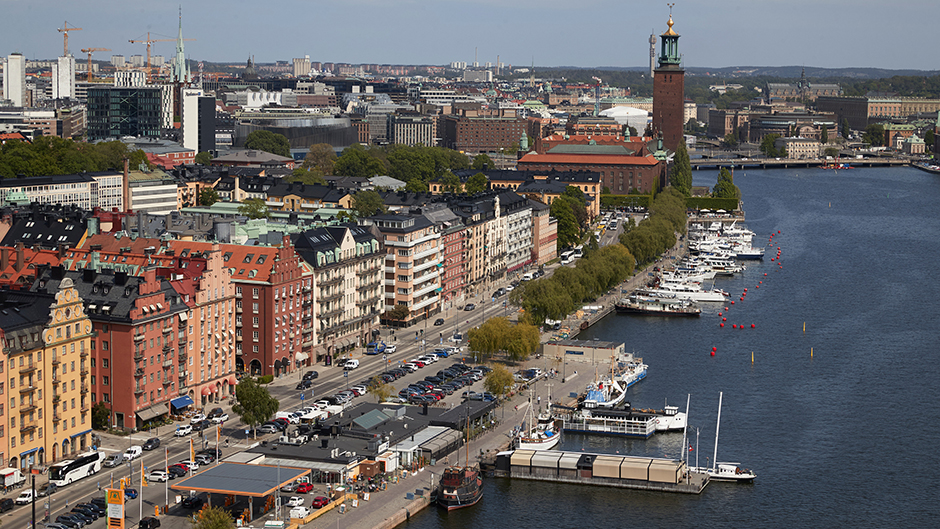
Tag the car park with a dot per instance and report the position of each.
(151, 443)
(183, 430)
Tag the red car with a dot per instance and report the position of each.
(420, 364)
(304, 488)
(319, 501)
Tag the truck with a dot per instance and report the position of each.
(12, 477)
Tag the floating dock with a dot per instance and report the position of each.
(628, 472)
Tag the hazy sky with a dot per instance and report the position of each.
(825, 33)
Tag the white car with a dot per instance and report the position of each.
(219, 419)
(410, 367)
(24, 498)
(184, 430)
(133, 453)
(360, 389)
(197, 418)
(295, 501)
(193, 466)
(158, 475)
(350, 364)
(389, 349)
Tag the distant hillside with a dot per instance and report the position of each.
(782, 72)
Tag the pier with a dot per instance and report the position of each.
(783, 163)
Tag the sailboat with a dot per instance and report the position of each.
(540, 435)
(725, 471)
(460, 486)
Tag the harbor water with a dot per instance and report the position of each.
(839, 421)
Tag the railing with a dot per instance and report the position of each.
(29, 426)
(27, 389)
(166, 382)
(56, 361)
(138, 357)
(167, 364)
(28, 408)
(138, 372)
(182, 357)
(28, 368)
(84, 388)
(331, 297)
(333, 281)
(138, 390)
(167, 330)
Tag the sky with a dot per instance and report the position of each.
(888, 34)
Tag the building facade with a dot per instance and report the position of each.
(114, 112)
(669, 91)
(412, 263)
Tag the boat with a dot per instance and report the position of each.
(748, 252)
(611, 390)
(626, 421)
(661, 306)
(540, 434)
(687, 291)
(725, 471)
(460, 486)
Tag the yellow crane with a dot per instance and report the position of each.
(65, 33)
(149, 41)
(89, 51)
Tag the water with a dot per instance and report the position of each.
(842, 438)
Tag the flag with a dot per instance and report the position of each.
(690, 448)
(143, 474)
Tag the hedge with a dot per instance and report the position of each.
(623, 201)
(643, 201)
(727, 204)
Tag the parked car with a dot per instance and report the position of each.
(184, 430)
(151, 443)
(304, 488)
(269, 427)
(174, 472)
(295, 501)
(149, 523)
(88, 513)
(158, 476)
(299, 512)
(319, 501)
(6, 504)
(193, 502)
(70, 521)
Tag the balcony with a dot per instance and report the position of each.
(167, 348)
(238, 295)
(368, 301)
(56, 398)
(182, 358)
(83, 354)
(138, 391)
(138, 338)
(335, 280)
(166, 382)
(330, 313)
(238, 323)
(85, 408)
(28, 368)
(167, 364)
(138, 357)
(138, 372)
(28, 408)
(182, 375)
(167, 330)
(238, 310)
(27, 389)
(238, 337)
(84, 371)
(181, 340)
(84, 389)
(56, 361)
(368, 286)
(29, 426)
(331, 297)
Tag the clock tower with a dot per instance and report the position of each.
(669, 89)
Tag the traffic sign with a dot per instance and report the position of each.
(345, 374)
(301, 396)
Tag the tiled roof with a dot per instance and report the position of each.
(248, 263)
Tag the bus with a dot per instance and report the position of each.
(374, 348)
(567, 257)
(82, 466)
(578, 251)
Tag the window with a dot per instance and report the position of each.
(254, 336)
(254, 308)
(104, 363)
(104, 381)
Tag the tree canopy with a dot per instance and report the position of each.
(481, 162)
(100, 416)
(367, 202)
(681, 175)
(321, 158)
(874, 135)
(254, 208)
(497, 335)
(379, 389)
(498, 381)
(450, 183)
(356, 161)
(208, 196)
(255, 404)
(568, 229)
(203, 158)
(768, 147)
(476, 183)
(213, 518)
(267, 141)
(306, 176)
(50, 156)
(725, 187)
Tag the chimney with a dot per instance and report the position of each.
(4, 258)
(61, 252)
(20, 257)
(126, 186)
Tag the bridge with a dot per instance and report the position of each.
(783, 163)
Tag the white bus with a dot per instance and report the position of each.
(579, 252)
(82, 466)
(567, 257)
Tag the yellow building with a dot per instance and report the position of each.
(46, 343)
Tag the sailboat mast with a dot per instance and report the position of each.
(685, 429)
(717, 426)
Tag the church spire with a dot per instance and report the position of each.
(180, 71)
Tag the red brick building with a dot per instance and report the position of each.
(619, 173)
(669, 91)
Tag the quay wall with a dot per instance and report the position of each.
(404, 514)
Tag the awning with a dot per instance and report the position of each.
(301, 356)
(205, 391)
(183, 316)
(74, 435)
(30, 451)
(218, 336)
(215, 389)
(181, 402)
(153, 411)
(146, 310)
(232, 380)
(92, 306)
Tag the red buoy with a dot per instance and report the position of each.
(719, 314)
(733, 302)
(721, 324)
(726, 308)
(714, 348)
(724, 319)
(733, 325)
(765, 273)
(713, 353)
(745, 290)
(752, 325)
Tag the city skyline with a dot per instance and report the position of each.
(714, 34)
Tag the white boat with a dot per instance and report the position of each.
(611, 390)
(540, 435)
(725, 471)
(690, 292)
(748, 252)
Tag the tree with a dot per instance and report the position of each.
(450, 183)
(523, 340)
(731, 139)
(254, 208)
(320, 157)
(476, 183)
(632, 131)
(255, 404)
(498, 381)
(605, 190)
(831, 152)
(213, 518)
(929, 139)
(398, 313)
(567, 229)
(367, 202)
(357, 161)
(100, 416)
(481, 162)
(681, 176)
(768, 145)
(845, 128)
(874, 135)
(306, 176)
(208, 196)
(416, 185)
(725, 187)
(204, 158)
(380, 390)
(824, 134)
(267, 141)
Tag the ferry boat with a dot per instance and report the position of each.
(460, 487)
(661, 306)
(688, 292)
(626, 421)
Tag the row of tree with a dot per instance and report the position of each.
(50, 155)
(568, 288)
(497, 335)
(570, 210)
(657, 233)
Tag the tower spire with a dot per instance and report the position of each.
(180, 70)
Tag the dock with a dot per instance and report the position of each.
(579, 468)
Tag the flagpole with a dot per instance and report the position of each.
(218, 430)
(166, 484)
(140, 495)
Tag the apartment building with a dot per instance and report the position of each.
(348, 264)
(517, 212)
(544, 233)
(85, 190)
(412, 263)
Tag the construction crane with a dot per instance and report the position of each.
(89, 51)
(65, 33)
(597, 96)
(149, 41)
